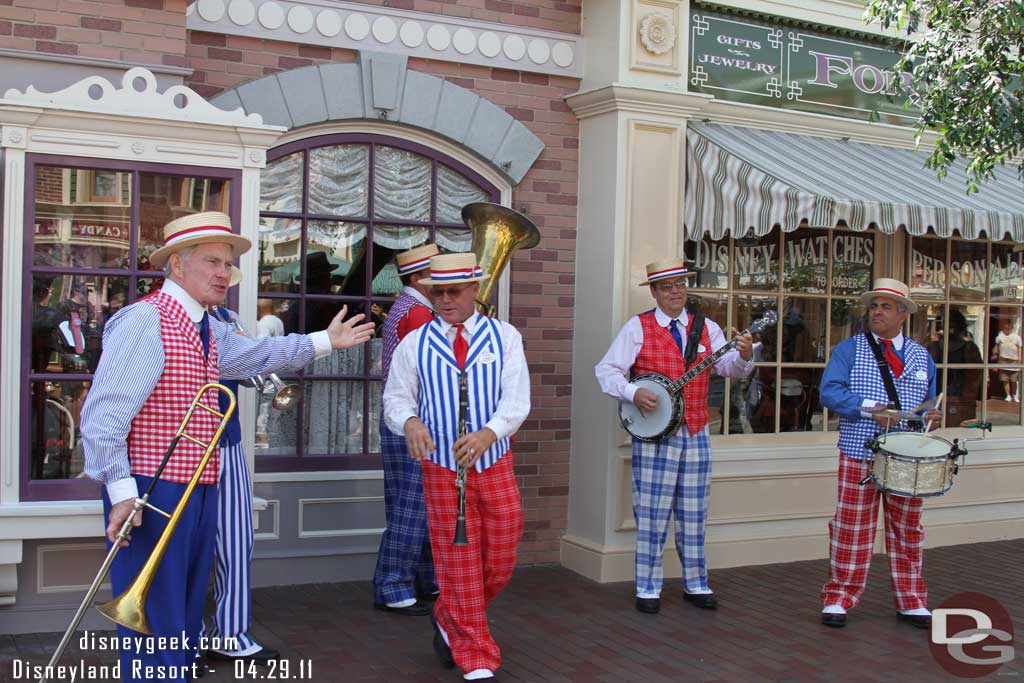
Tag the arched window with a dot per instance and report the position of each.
(334, 210)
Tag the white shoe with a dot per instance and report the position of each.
(1016, 399)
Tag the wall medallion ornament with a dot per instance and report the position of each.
(657, 34)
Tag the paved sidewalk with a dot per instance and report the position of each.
(554, 625)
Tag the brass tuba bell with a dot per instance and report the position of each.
(498, 232)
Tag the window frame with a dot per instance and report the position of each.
(301, 461)
(86, 489)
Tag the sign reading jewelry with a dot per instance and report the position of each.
(756, 62)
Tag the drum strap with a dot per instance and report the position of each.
(884, 370)
(693, 339)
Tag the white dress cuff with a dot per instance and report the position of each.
(321, 343)
(867, 403)
(122, 489)
(630, 392)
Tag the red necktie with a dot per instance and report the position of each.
(890, 355)
(460, 346)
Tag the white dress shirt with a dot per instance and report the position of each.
(402, 393)
(132, 363)
(613, 370)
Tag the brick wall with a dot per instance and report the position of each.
(133, 31)
(551, 15)
(49, 185)
(542, 279)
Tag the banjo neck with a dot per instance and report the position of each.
(700, 367)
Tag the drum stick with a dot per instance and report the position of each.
(938, 403)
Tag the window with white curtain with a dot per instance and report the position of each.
(334, 210)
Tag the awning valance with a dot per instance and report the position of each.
(742, 179)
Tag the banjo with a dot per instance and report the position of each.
(670, 411)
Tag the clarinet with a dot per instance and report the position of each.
(460, 477)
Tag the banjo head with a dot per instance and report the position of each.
(652, 425)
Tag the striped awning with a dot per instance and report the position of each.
(746, 179)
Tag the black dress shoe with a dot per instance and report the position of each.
(428, 597)
(916, 620)
(202, 666)
(833, 620)
(416, 609)
(261, 656)
(702, 600)
(441, 649)
(648, 605)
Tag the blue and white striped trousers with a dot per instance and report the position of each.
(671, 476)
(231, 588)
(405, 565)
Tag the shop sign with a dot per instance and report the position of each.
(967, 273)
(771, 64)
(82, 231)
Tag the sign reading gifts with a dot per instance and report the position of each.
(747, 60)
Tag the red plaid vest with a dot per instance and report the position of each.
(660, 354)
(185, 372)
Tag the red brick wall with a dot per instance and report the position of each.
(134, 31)
(552, 15)
(542, 279)
(49, 185)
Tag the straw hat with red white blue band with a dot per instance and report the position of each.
(663, 270)
(448, 269)
(892, 289)
(416, 259)
(198, 228)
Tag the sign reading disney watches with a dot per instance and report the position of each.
(760, 62)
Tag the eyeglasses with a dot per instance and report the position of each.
(449, 292)
(669, 286)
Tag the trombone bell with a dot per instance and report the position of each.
(498, 232)
(129, 608)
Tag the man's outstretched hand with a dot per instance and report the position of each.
(345, 334)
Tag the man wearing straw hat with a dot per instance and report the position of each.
(422, 400)
(404, 582)
(672, 475)
(852, 386)
(157, 354)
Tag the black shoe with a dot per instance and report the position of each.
(261, 656)
(428, 597)
(916, 620)
(416, 609)
(441, 649)
(202, 666)
(702, 600)
(648, 605)
(833, 620)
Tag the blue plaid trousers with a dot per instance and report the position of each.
(671, 476)
(405, 566)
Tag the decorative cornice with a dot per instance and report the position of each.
(358, 26)
(137, 96)
(637, 100)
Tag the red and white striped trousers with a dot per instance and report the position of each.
(852, 534)
(470, 577)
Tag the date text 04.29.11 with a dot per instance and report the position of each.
(275, 670)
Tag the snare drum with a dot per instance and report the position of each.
(912, 464)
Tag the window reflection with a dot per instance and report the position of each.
(68, 315)
(56, 441)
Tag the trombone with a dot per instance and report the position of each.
(129, 608)
(285, 395)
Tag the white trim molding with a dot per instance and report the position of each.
(357, 26)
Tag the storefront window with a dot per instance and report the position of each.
(334, 212)
(971, 324)
(91, 230)
(809, 277)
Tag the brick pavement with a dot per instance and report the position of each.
(554, 625)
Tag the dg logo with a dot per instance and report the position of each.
(971, 635)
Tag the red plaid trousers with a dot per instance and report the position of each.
(852, 534)
(470, 577)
